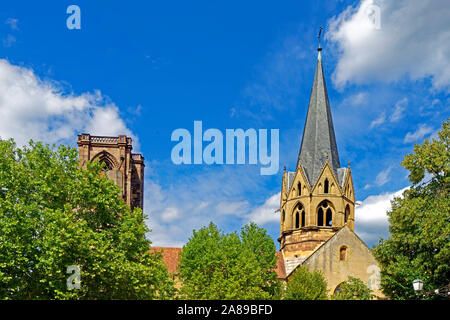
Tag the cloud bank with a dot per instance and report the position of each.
(32, 108)
(371, 221)
(412, 39)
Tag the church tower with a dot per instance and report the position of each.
(318, 199)
(126, 169)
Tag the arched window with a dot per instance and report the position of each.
(329, 220)
(320, 217)
(299, 212)
(338, 288)
(342, 253)
(299, 189)
(325, 214)
(325, 186)
(107, 165)
(283, 216)
(347, 214)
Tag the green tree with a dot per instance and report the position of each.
(54, 215)
(214, 265)
(419, 242)
(353, 289)
(305, 285)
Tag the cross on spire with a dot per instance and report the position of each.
(318, 37)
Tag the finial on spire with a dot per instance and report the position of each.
(349, 164)
(284, 168)
(318, 37)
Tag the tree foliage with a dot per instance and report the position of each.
(353, 289)
(305, 285)
(214, 265)
(419, 242)
(53, 215)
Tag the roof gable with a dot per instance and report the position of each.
(322, 248)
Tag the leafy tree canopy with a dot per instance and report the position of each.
(305, 285)
(419, 242)
(353, 289)
(215, 265)
(54, 215)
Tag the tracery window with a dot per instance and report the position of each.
(324, 215)
(299, 212)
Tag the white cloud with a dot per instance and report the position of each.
(399, 108)
(231, 207)
(397, 114)
(419, 134)
(170, 214)
(32, 108)
(13, 23)
(378, 121)
(356, 99)
(371, 221)
(383, 177)
(266, 213)
(413, 40)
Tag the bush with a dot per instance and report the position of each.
(305, 285)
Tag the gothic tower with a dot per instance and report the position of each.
(126, 169)
(318, 199)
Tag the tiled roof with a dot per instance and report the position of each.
(280, 270)
(318, 140)
(290, 179)
(170, 257)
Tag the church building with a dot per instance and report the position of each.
(122, 166)
(317, 205)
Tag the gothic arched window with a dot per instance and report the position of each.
(299, 189)
(325, 186)
(324, 214)
(329, 218)
(347, 214)
(320, 217)
(107, 165)
(299, 212)
(338, 288)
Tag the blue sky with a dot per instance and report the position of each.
(147, 68)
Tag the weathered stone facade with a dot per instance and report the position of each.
(342, 255)
(126, 169)
(303, 219)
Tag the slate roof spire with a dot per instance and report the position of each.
(318, 140)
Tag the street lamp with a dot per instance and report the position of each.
(417, 285)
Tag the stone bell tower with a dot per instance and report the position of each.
(126, 169)
(317, 199)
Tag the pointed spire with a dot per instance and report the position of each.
(318, 134)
